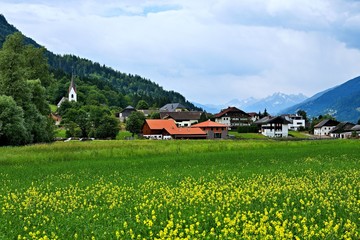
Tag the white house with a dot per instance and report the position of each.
(296, 121)
(233, 117)
(274, 126)
(324, 127)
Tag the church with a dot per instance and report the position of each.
(72, 94)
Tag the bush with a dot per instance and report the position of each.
(248, 129)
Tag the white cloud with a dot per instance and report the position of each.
(210, 51)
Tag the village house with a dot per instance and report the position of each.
(173, 107)
(72, 93)
(296, 121)
(324, 127)
(182, 119)
(233, 117)
(356, 130)
(254, 116)
(342, 130)
(213, 130)
(274, 126)
(167, 129)
(125, 113)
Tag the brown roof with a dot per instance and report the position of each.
(208, 124)
(170, 126)
(181, 116)
(253, 114)
(228, 110)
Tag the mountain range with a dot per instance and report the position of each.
(273, 104)
(341, 102)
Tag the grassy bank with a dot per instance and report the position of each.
(194, 189)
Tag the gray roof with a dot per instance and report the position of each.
(327, 122)
(343, 127)
(269, 119)
(355, 128)
(171, 107)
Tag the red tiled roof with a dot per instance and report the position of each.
(208, 124)
(170, 126)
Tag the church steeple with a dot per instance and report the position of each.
(72, 90)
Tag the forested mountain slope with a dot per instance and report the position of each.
(130, 87)
(342, 102)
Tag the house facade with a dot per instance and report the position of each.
(125, 113)
(274, 126)
(342, 130)
(182, 119)
(324, 127)
(254, 116)
(233, 117)
(296, 121)
(167, 129)
(213, 130)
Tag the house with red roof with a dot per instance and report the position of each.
(233, 117)
(167, 129)
(213, 130)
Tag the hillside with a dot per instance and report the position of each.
(342, 102)
(132, 87)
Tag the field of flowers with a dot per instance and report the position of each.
(181, 190)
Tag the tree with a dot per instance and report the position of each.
(358, 122)
(12, 126)
(108, 128)
(135, 122)
(18, 69)
(203, 117)
(303, 114)
(154, 115)
(265, 114)
(142, 105)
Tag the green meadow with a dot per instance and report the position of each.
(245, 189)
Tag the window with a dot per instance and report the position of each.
(72, 95)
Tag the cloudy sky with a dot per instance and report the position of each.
(211, 51)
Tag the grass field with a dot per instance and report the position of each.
(247, 135)
(181, 189)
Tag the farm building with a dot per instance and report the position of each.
(213, 129)
(182, 119)
(125, 113)
(167, 129)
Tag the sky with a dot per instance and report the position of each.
(211, 51)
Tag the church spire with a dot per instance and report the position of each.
(72, 90)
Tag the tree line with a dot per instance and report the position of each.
(24, 110)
